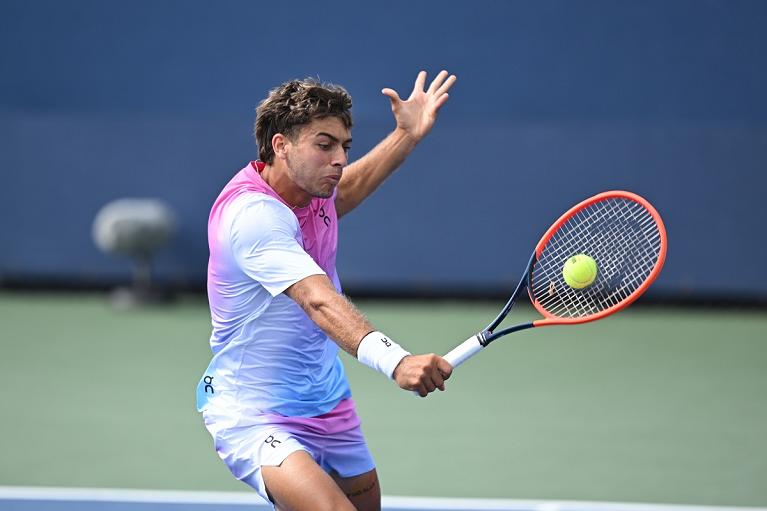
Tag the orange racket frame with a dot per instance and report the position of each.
(474, 344)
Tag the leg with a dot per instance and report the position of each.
(300, 484)
(362, 490)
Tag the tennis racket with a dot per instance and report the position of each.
(620, 231)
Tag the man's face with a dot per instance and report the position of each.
(318, 155)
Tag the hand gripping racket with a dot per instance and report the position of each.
(620, 231)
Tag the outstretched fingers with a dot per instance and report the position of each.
(392, 95)
(437, 82)
(439, 86)
(420, 82)
(416, 115)
(442, 89)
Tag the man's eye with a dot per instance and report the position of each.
(324, 147)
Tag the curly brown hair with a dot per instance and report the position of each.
(294, 104)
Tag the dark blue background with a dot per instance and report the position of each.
(556, 101)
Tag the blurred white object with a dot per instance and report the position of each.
(134, 228)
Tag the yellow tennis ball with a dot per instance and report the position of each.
(579, 271)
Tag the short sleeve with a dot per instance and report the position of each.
(265, 243)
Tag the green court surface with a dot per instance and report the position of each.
(651, 405)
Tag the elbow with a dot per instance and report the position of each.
(313, 303)
(312, 294)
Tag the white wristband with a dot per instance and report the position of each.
(380, 353)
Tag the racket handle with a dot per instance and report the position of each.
(464, 351)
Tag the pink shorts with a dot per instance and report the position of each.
(334, 440)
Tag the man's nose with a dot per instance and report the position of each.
(340, 158)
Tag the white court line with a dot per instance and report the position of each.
(123, 495)
(425, 503)
(389, 502)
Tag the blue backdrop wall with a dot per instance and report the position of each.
(556, 100)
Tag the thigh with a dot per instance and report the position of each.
(363, 490)
(300, 484)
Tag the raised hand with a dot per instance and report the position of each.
(416, 114)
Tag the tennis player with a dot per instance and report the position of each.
(275, 397)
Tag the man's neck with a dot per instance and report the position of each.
(276, 176)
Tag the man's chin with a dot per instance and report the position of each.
(324, 194)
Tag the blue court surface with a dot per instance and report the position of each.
(103, 499)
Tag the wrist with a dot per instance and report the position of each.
(378, 352)
(406, 138)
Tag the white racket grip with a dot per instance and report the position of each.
(464, 351)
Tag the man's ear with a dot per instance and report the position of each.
(279, 143)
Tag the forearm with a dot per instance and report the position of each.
(362, 177)
(338, 318)
(331, 311)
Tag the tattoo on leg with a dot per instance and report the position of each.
(364, 490)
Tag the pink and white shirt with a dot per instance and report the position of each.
(268, 356)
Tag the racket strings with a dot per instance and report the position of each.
(606, 290)
(624, 240)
